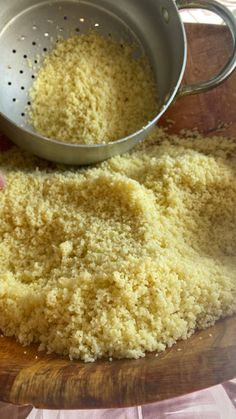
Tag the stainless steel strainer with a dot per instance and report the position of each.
(30, 28)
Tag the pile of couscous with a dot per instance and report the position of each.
(122, 258)
(91, 90)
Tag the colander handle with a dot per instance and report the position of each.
(230, 21)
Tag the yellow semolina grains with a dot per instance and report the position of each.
(90, 90)
(122, 258)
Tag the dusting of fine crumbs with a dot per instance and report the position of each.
(79, 97)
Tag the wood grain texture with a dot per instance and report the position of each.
(206, 359)
(209, 47)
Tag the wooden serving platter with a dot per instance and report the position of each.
(206, 359)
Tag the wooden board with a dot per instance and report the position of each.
(206, 359)
(209, 47)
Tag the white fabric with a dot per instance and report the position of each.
(212, 403)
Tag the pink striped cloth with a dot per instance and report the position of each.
(217, 402)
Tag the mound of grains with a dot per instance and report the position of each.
(122, 258)
(91, 90)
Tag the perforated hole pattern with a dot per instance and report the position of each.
(25, 41)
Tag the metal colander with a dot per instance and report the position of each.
(30, 28)
(33, 33)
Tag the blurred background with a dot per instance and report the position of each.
(203, 16)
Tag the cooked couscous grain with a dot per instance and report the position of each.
(122, 258)
(90, 90)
